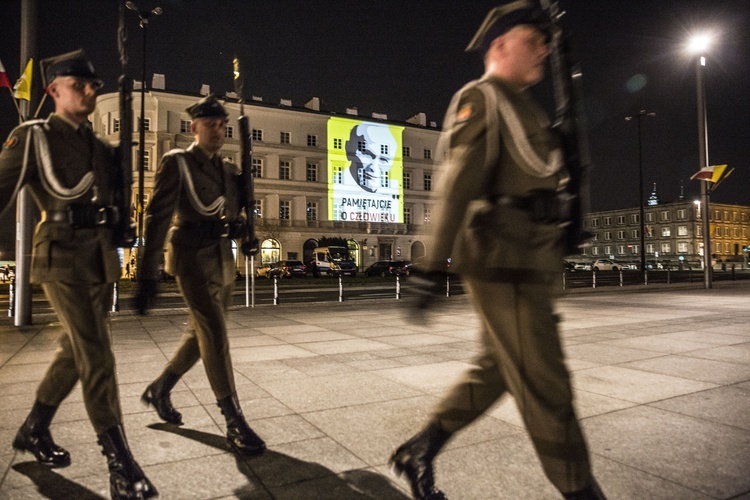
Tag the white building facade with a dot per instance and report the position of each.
(293, 151)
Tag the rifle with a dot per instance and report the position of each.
(250, 244)
(568, 89)
(124, 231)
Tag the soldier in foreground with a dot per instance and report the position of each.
(203, 190)
(500, 217)
(69, 172)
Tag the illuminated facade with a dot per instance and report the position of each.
(321, 174)
(673, 234)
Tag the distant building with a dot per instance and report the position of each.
(673, 233)
(303, 156)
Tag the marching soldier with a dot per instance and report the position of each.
(69, 172)
(501, 217)
(203, 191)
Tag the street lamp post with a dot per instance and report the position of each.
(143, 16)
(638, 117)
(698, 45)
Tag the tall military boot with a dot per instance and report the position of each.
(126, 478)
(34, 437)
(239, 434)
(414, 459)
(158, 395)
(593, 492)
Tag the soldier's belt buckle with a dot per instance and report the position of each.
(224, 231)
(100, 216)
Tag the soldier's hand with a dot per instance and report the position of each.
(145, 295)
(427, 286)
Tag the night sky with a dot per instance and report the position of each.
(404, 57)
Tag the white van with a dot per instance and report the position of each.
(333, 261)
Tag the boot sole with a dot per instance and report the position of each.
(23, 447)
(148, 401)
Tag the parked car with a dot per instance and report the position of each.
(265, 271)
(568, 267)
(381, 268)
(291, 269)
(605, 265)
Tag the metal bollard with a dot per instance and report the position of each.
(593, 279)
(12, 298)
(341, 288)
(448, 285)
(275, 290)
(563, 283)
(669, 277)
(398, 287)
(620, 277)
(645, 277)
(116, 297)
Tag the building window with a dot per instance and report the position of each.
(682, 247)
(607, 249)
(649, 217)
(115, 125)
(428, 154)
(312, 141)
(594, 251)
(682, 214)
(406, 151)
(285, 138)
(147, 124)
(284, 210)
(650, 248)
(407, 180)
(258, 209)
(257, 135)
(312, 210)
(607, 221)
(634, 218)
(620, 249)
(665, 215)
(147, 159)
(337, 143)
(620, 235)
(635, 233)
(258, 166)
(620, 220)
(594, 222)
(666, 248)
(384, 149)
(185, 126)
(285, 170)
(407, 215)
(607, 235)
(734, 217)
(666, 231)
(428, 182)
(649, 231)
(338, 174)
(635, 249)
(427, 215)
(682, 231)
(312, 172)
(229, 132)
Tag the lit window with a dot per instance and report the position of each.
(312, 210)
(284, 210)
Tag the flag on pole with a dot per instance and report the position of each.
(22, 88)
(4, 82)
(711, 173)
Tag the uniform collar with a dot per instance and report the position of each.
(75, 126)
(196, 148)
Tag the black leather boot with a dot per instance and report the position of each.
(126, 478)
(593, 492)
(239, 434)
(158, 395)
(414, 460)
(34, 437)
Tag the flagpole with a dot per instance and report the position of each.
(18, 109)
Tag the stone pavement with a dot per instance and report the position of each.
(662, 379)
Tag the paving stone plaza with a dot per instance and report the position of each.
(662, 380)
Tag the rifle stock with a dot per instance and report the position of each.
(124, 232)
(567, 82)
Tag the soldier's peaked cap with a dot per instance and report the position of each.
(69, 64)
(208, 107)
(501, 19)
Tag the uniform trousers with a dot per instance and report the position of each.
(522, 355)
(84, 352)
(206, 337)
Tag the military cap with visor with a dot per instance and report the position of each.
(74, 64)
(504, 17)
(208, 107)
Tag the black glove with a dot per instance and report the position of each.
(426, 287)
(145, 295)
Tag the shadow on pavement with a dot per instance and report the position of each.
(52, 485)
(295, 478)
